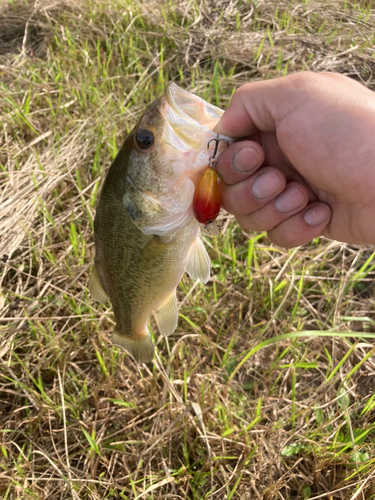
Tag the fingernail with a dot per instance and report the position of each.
(291, 199)
(246, 159)
(317, 215)
(266, 184)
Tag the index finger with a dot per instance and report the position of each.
(239, 161)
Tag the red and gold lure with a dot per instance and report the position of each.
(206, 201)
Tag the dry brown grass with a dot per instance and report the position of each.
(80, 419)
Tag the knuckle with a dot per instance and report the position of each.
(305, 80)
(246, 223)
(285, 239)
(263, 222)
(281, 242)
(238, 93)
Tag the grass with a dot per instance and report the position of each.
(266, 388)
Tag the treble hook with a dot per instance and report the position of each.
(213, 159)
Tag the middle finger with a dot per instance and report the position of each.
(253, 192)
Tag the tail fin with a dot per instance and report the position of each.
(141, 348)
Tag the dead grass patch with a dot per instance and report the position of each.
(79, 419)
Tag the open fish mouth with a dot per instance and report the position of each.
(187, 130)
(189, 116)
(188, 124)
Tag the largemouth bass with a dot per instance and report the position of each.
(146, 235)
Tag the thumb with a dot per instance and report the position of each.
(260, 106)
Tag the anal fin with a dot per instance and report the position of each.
(96, 290)
(167, 315)
(141, 348)
(198, 264)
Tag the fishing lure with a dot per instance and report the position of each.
(206, 201)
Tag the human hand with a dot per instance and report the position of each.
(305, 162)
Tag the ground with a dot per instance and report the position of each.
(266, 389)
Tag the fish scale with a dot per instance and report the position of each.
(146, 235)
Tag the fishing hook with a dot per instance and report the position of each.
(213, 159)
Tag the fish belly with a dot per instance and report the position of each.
(138, 273)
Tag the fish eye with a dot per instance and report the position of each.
(145, 139)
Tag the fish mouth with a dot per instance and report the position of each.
(190, 118)
(186, 129)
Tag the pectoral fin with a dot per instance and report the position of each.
(167, 315)
(198, 264)
(96, 290)
(141, 348)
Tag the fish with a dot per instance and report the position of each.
(146, 234)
